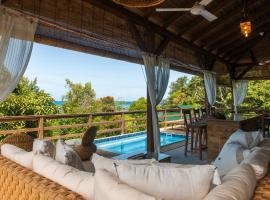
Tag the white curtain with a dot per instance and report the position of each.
(157, 72)
(16, 42)
(210, 86)
(239, 92)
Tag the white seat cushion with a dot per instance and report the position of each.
(44, 147)
(238, 184)
(78, 181)
(108, 164)
(18, 155)
(246, 139)
(192, 183)
(66, 155)
(259, 160)
(108, 187)
(231, 155)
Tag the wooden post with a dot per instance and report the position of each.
(206, 103)
(41, 128)
(165, 119)
(89, 123)
(149, 131)
(123, 123)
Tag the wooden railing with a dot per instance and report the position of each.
(110, 123)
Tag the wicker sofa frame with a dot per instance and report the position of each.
(20, 183)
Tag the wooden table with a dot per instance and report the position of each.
(144, 155)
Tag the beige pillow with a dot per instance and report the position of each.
(238, 184)
(18, 155)
(192, 183)
(231, 155)
(108, 164)
(78, 181)
(44, 147)
(246, 139)
(259, 160)
(108, 187)
(66, 155)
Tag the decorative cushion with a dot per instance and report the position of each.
(108, 164)
(108, 187)
(231, 155)
(88, 166)
(70, 177)
(44, 147)
(259, 161)
(246, 139)
(168, 183)
(238, 184)
(89, 136)
(85, 152)
(18, 155)
(66, 155)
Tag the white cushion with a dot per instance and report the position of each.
(44, 147)
(108, 164)
(78, 181)
(18, 155)
(66, 155)
(108, 187)
(231, 155)
(238, 184)
(259, 160)
(246, 139)
(191, 183)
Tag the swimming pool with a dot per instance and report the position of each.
(134, 142)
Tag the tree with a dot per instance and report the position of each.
(28, 99)
(106, 104)
(140, 104)
(79, 98)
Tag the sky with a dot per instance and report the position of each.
(109, 77)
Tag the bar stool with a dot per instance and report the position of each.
(197, 114)
(189, 128)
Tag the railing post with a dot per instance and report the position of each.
(123, 126)
(165, 118)
(41, 128)
(89, 122)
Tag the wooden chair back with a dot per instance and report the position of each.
(197, 114)
(187, 116)
(203, 112)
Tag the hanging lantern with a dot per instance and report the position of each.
(138, 3)
(246, 28)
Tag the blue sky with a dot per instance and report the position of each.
(109, 77)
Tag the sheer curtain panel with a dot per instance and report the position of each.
(239, 92)
(210, 86)
(157, 71)
(16, 42)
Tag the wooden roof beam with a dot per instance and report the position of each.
(162, 46)
(136, 35)
(120, 11)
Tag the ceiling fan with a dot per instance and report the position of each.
(197, 9)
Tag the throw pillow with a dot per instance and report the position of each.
(66, 155)
(44, 147)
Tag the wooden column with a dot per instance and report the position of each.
(149, 130)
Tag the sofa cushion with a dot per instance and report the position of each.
(108, 187)
(108, 164)
(238, 184)
(246, 139)
(44, 147)
(192, 183)
(66, 155)
(259, 160)
(231, 155)
(78, 181)
(88, 166)
(18, 155)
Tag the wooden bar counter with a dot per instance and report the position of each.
(219, 130)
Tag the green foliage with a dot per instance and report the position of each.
(140, 104)
(79, 98)
(106, 104)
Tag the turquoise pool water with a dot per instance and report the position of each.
(130, 143)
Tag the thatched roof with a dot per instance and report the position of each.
(104, 28)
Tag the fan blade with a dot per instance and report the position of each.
(205, 2)
(172, 9)
(207, 15)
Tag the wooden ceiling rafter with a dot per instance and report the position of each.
(136, 19)
(223, 31)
